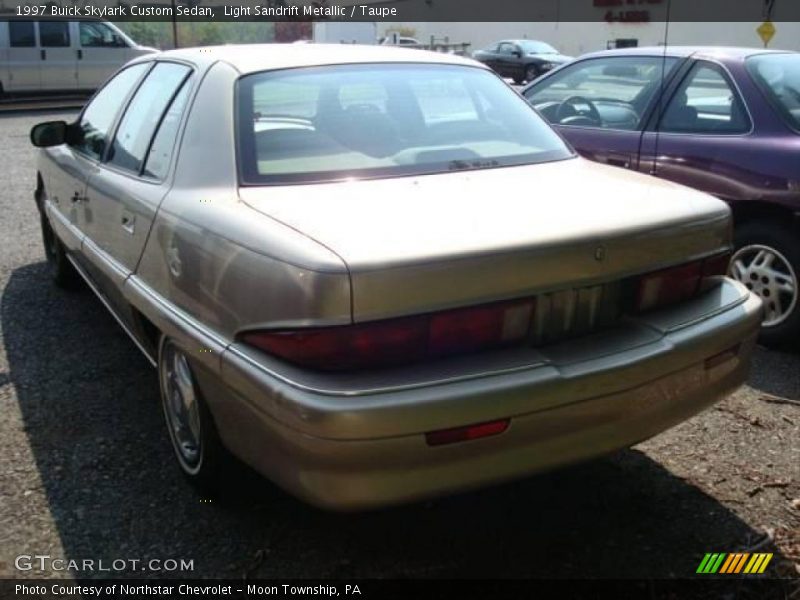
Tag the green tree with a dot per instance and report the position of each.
(198, 33)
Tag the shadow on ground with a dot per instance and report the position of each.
(777, 373)
(90, 408)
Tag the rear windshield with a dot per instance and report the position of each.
(327, 123)
(779, 76)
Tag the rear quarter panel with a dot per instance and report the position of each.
(221, 261)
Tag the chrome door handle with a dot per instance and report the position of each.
(619, 160)
(129, 223)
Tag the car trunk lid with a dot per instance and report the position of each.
(566, 231)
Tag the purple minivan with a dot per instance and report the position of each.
(722, 120)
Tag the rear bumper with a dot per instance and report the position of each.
(367, 448)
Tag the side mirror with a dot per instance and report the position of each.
(517, 53)
(119, 42)
(50, 133)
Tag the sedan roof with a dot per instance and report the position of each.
(250, 58)
(718, 52)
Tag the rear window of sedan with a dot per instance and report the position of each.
(326, 123)
(778, 75)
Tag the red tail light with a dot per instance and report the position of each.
(676, 284)
(397, 341)
(714, 267)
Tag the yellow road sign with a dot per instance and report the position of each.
(766, 31)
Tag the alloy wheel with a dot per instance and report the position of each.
(181, 407)
(768, 273)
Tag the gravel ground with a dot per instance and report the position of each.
(86, 470)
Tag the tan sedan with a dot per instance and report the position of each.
(376, 274)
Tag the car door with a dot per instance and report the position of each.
(58, 62)
(76, 161)
(704, 137)
(600, 105)
(507, 62)
(24, 70)
(101, 51)
(125, 190)
(72, 163)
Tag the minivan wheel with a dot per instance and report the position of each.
(61, 270)
(767, 262)
(189, 423)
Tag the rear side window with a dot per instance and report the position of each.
(21, 34)
(53, 34)
(706, 103)
(161, 149)
(506, 48)
(99, 116)
(144, 115)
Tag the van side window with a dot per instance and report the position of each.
(21, 34)
(53, 34)
(144, 114)
(99, 116)
(161, 149)
(98, 35)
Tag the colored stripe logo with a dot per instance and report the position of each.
(736, 562)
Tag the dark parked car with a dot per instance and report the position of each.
(722, 120)
(522, 60)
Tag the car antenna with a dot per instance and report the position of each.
(653, 170)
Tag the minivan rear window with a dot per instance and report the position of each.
(778, 76)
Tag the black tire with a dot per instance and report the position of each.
(206, 470)
(784, 244)
(531, 73)
(61, 270)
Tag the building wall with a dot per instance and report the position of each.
(576, 38)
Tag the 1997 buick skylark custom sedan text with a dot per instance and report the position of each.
(313, 245)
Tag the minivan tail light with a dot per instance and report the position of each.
(399, 341)
(676, 284)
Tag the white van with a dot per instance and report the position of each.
(61, 55)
